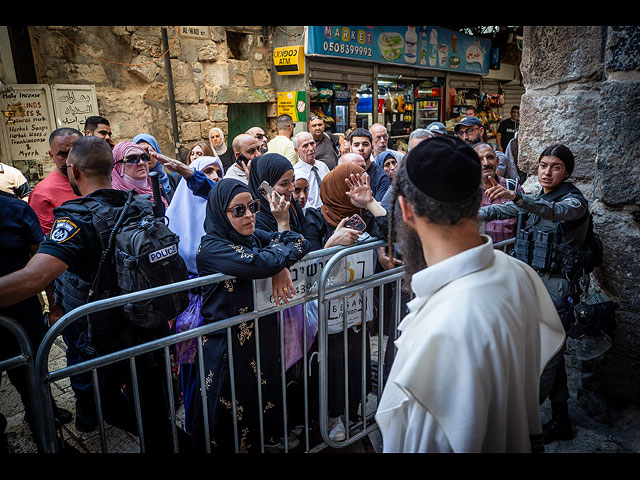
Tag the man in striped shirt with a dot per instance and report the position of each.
(498, 230)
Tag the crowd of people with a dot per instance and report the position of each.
(319, 187)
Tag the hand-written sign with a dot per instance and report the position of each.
(305, 276)
(73, 104)
(25, 136)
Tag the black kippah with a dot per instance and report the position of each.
(444, 168)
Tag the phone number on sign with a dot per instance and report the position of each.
(347, 49)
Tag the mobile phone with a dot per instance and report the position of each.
(241, 158)
(356, 222)
(266, 189)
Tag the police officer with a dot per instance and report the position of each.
(73, 248)
(552, 228)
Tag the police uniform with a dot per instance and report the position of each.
(75, 240)
(551, 234)
(19, 230)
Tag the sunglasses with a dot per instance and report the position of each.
(65, 168)
(135, 158)
(239, 211)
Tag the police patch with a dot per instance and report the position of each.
(63, 229)
(573, 202)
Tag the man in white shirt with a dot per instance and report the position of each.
(480, 329)
(315, 170)
(380, 137)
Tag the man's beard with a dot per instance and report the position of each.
(74, 187)
(410, 247)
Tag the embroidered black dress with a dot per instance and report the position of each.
(261, 255)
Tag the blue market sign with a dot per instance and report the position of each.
(422, 47)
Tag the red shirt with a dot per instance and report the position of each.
(51, 192)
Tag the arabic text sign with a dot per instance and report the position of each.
(426, 46)
(73, 104)
(305, 276)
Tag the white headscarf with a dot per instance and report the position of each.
(186, 215)
(223, 145)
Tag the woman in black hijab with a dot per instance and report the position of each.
(278, 172)
(233, 246)
(286, 214)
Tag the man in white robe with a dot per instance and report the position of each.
(481, 327)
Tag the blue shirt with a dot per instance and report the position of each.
(19, 231)
(378, 179)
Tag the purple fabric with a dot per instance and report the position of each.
(294, 330)
(188, 320)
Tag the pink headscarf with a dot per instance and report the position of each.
(122, 181)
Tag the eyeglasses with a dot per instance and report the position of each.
(65, 167)
(239, 211)
(135, 158)
(467, 132)
(260, 136)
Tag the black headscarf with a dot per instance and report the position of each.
(216, 223)
(270, 167)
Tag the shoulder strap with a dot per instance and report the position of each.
(107, 249)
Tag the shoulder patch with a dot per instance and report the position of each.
(573, 202)
(63, 229)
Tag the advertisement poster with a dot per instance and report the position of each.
(423, 46)
(294, 104)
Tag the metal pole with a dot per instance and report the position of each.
(172, 99)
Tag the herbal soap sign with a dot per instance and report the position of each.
(27, 120)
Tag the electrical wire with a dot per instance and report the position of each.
(120, 63)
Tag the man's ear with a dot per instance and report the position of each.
(407, 210)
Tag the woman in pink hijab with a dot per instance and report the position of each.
(131, 169)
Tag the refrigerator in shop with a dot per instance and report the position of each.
(341, 107)
(364, 111)
(428, 106)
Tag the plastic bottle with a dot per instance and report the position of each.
(433, 47)
(410, 45)
(424, 47)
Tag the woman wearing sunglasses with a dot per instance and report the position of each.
(131, 170)
(233, 246)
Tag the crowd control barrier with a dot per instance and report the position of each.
(25, 360)
(341, 281)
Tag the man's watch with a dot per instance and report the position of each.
(518, 197)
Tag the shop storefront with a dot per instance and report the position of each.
(402, 77)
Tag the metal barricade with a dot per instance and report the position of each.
(324, 293)
(45, 377)
(25, 360)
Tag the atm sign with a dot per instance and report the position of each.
(289, 60)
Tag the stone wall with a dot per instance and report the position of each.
(583, 89)
(230, 65)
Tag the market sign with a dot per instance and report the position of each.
(421, 47)
(293, 104)
(289, 60)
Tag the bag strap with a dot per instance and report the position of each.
(109, 246)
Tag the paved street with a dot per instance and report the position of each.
(622, 435)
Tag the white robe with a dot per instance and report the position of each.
(186, 214)
(470, 354)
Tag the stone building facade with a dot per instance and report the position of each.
(583, 89)
(213, 71)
